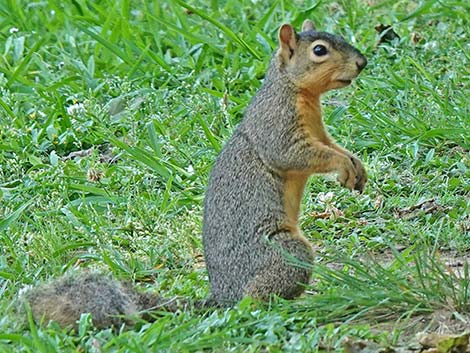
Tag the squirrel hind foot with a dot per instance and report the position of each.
(286, 273)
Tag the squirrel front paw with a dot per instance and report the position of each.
(361, 174)
(347, 173)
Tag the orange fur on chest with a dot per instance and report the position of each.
(293, 191)
(310, 121)
(309, 115)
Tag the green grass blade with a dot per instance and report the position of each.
(228, 32)
(11, 218)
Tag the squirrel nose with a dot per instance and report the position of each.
(361, 62)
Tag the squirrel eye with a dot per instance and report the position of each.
(320, 50)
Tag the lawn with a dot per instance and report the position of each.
(112, 113)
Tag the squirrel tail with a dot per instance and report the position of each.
(110, 302)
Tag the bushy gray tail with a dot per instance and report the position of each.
(110, 302)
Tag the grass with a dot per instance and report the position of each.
(159, 87)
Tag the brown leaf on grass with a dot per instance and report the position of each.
(425, 207)
(94, 175)
(330, 212)
(199, 261)
(416, 38)
(335, 8)
(379, 201)
(386, 33)
(81, 153)
(78, 263)
(464, 225)
(359, 346)
(362, 222)
(363, 346)
(105, 153)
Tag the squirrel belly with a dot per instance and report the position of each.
(252, 243)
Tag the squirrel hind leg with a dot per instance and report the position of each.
(286, 273)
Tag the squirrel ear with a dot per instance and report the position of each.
(287, 41)
(308, 26)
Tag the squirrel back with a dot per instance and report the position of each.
(252, 243)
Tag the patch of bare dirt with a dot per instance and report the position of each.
(457, 341)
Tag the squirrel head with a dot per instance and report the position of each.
(317, 61)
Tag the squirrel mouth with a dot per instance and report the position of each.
(345, 82)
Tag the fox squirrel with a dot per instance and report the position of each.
(252, 243)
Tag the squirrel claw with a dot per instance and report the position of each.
(361, 175)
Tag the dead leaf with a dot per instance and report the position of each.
(359, 346)
(445, 343)
(363, 346)
(362, 222)
(330, 212)
(94, 175)
(335, 8)
(199, 261)
(464, 225)
(106, 154)
(416, 37)
(159, 266)
(386, 33)
(81, 153)
(379, 201)
(428, 206)
(78, 263)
